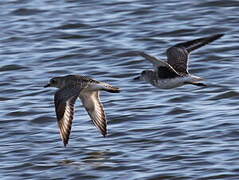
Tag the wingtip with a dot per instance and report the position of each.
(136, 78)
(65, 143)
(64, 140)
(117, 90)
(129, 53)
(104, 134)
(113, 90)
(141, 53)
(214, 37)
(104, 131)
(219, 35)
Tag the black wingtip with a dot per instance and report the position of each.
(130, 53)
(113, 89)
(65, 143)
(197, 43)
(143, 54)
(216, 36)
(201, 84)
(104, 133)
(138, 53)
(48, 85)
(136, 78)
(220, 35)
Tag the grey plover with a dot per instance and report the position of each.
(88, 90)
(174, 72)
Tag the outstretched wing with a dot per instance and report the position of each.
(64, 106)
(155, 61)
(92, 104)
(178, 55)
(163, 69)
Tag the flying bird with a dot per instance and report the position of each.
(88, 90)
(174, 72)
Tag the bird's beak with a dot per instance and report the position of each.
(48, 85)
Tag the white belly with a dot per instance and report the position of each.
(170, 83)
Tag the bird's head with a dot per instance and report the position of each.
(144, 75)
(55, 82)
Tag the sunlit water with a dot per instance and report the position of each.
(184, 133)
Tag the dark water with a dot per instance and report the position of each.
(184, 133)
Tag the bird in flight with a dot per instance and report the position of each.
(174, 72)
(88, 90)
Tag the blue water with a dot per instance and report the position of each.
(183, 133)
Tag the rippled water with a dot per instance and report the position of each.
(184, 133)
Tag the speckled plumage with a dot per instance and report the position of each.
(174, 72)
(88, 90)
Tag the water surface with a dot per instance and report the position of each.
(184, 133)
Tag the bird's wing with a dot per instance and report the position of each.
(178, 54)
(64, 106)
(92, 104)
(155, 61)
(163, 69)
(178, 58)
